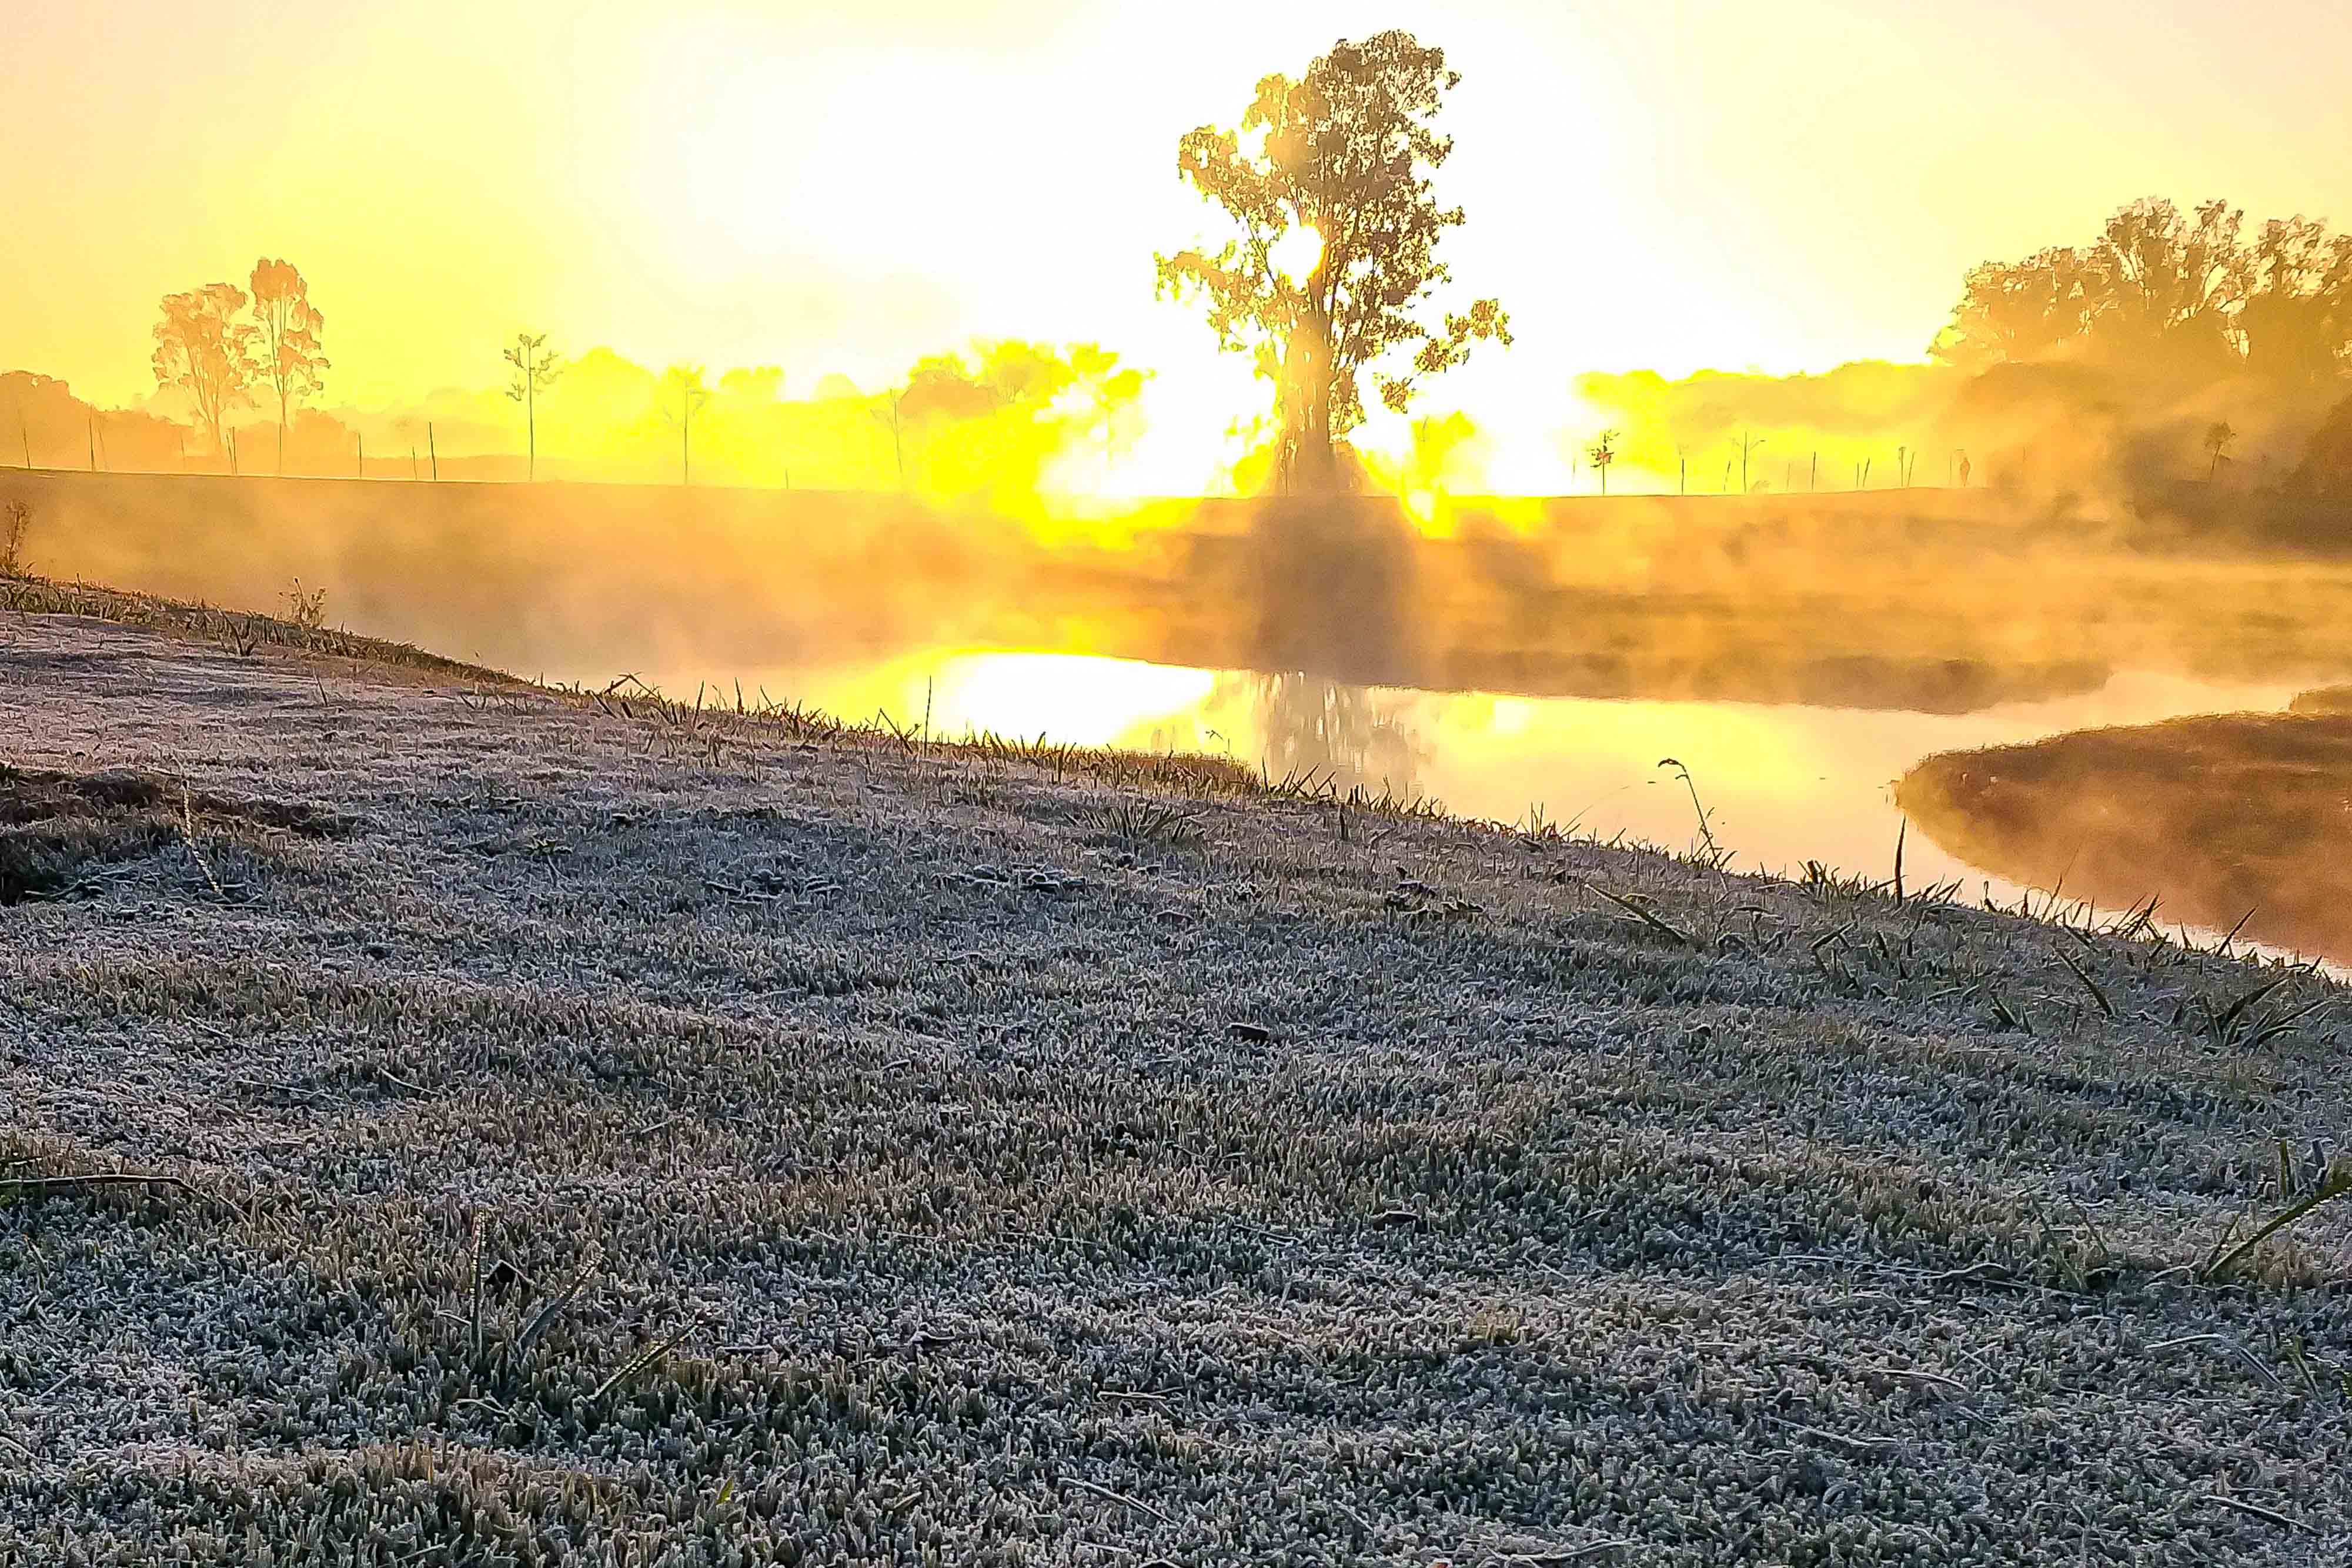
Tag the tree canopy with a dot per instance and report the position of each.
(291, 360)
(1341, 160)
(2169, 291)
(993, 421)
(204, 349)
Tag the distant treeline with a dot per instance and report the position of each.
(239, 373)
(2168, 293)
(2175, 349)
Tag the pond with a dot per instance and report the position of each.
(1781, 785)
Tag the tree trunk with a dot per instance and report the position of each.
(1310, 462)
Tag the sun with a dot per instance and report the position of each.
(1298, 253)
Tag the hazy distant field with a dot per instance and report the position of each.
(1928, 600)
(589, 1132)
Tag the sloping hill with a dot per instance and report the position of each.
(448, 1122)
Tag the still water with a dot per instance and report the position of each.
(1781, 785)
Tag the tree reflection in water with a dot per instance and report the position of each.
(1343, 734)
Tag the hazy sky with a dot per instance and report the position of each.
(1668, 184)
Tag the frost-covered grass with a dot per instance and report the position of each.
(625, 1134)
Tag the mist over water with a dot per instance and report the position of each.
(1519, 661)
(1926, 600)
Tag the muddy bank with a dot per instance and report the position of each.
(2229, 818)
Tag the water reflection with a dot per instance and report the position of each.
(1783, 784)
(1350, 737)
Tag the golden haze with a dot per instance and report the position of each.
(844, 190)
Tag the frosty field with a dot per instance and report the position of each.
(451, 1121)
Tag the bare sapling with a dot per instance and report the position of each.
(16, 523)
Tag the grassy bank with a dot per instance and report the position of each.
(2239, 820)
(451, 1121)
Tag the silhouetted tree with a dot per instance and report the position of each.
(2169, 280)
(1011, 373)
(2219, 438)
(535, 369)
(205, 350)
(1603, 454)
(291, 328)
(683, 395)
(1345, 156)
(2020, 311)
(2296, 314)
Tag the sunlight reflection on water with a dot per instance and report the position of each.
(1783, 785)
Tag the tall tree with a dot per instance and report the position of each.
(1341, 157)
(290, 327)
(535, 368)
(203, 349)
(683, 395)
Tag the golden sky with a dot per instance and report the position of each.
(1668, 184)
